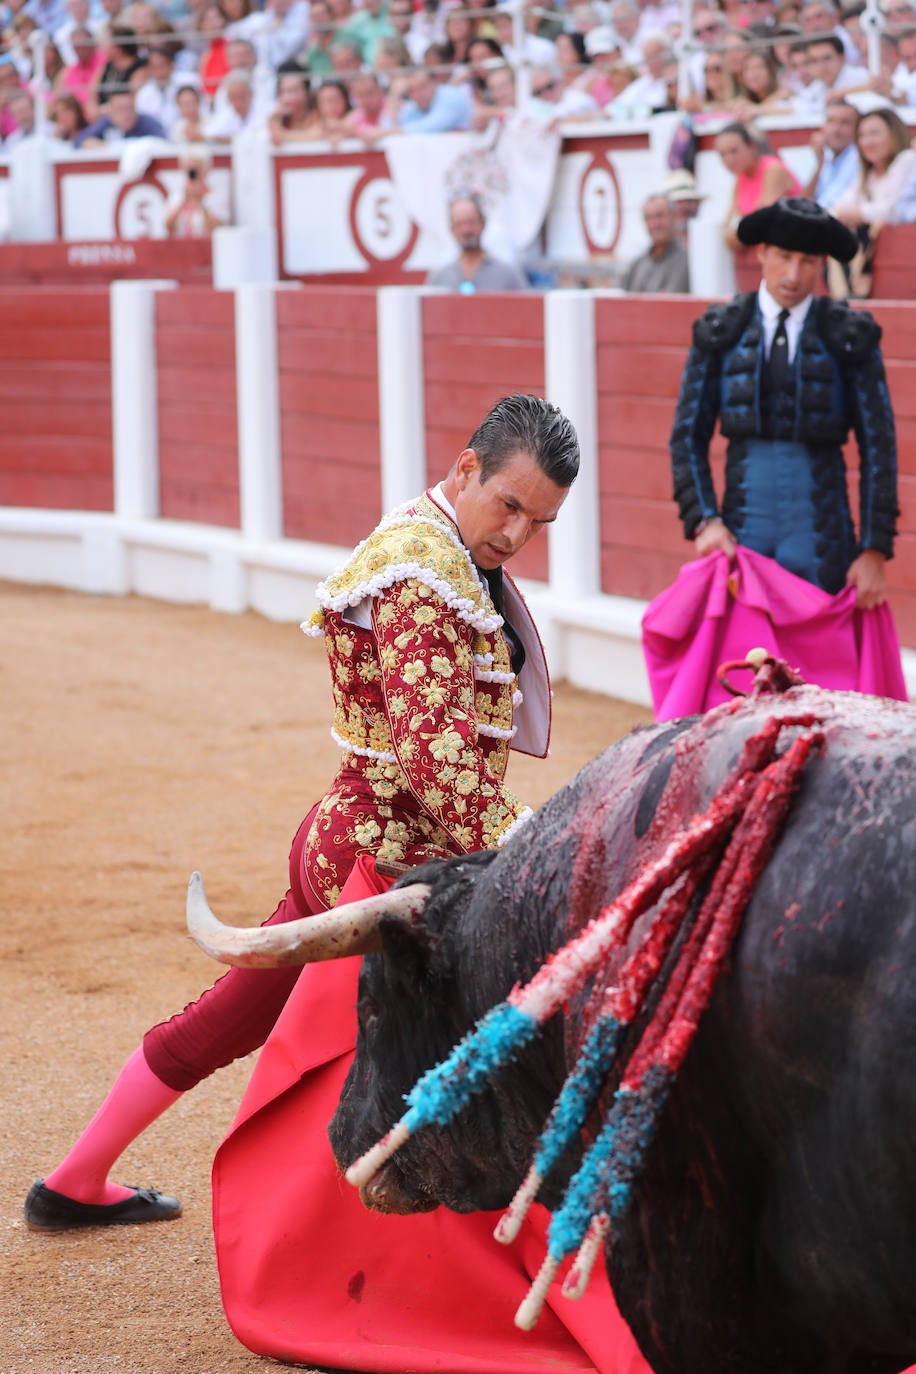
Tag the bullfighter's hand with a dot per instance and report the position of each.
(712, 538)
(867, 574)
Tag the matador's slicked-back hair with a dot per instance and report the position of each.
(531, 425)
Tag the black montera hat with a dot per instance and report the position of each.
(800, 226)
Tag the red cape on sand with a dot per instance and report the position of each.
(309, 1275)
(715, 612)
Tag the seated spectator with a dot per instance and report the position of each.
(123, 65)
(238, 112)
(484, 55)
(346, 57)
(400, 17)
(119, 120)
(294, 113)
(571, 60)
(234, 13)
(436, 59)
(720, 89)
(78, 17)
(9, 85)
(821, 18)
(499, 99)
(709, 28)
(759, 88)
(682, 192)
(884, 189)
(21, 109)
(392, 58)
(283, 24)
(19, 43)
(536, 51)
(663, 267)
(427, 25)
(807, 92)
(81, 78)
(460, 31)
(332, 105)
(650, 91)
(54, 70)
(67, 117)
(839, 76)
(241, 56)
(603, 50)
(836, 153)
(474, 270)
(191, 218)
(158, 96)
(620, 76)
(903, 78)
(550, 103)
(189, 126)
(734, 46)
(370, 106)
(419, 105)
(624, 17)
(317, 55)
(760, 177)
(365, 27)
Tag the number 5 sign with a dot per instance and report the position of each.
(381, 227)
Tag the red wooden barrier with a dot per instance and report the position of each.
(55, 399)
(97, 263)
(477, 349)
(327, 347)
(198, 434)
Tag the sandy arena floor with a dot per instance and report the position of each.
(137, 742)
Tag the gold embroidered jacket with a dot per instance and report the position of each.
(425, 701)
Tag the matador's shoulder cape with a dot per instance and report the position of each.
(422, 675)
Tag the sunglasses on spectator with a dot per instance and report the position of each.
(707, 28)
(542, 90)
(714, 67)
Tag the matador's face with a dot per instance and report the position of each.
(498, 516)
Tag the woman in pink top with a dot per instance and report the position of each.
(81, 77)
(760, 178)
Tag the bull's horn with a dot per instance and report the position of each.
(350, 929)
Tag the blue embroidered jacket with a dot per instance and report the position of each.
(836, 382)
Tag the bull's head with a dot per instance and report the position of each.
(423, 985)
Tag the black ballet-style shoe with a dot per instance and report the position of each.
(46, 1210)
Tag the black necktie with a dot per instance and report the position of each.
(494, 580)
(779, 356)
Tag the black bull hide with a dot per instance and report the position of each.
(773, 1229)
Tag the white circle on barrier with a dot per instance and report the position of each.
(381, 225)
(141, 210)
(600, 205)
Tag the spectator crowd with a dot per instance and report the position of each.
(205, 71)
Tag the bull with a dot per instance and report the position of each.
(771, 1227)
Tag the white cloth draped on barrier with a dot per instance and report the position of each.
(510, 170)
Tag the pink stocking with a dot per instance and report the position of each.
(137, 1098)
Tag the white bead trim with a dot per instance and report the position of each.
(520, 820)
(364, 753)
(313, 631)
(482, 675)
(463, 606)
(494, 732)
